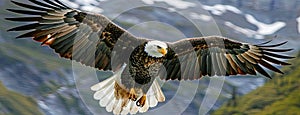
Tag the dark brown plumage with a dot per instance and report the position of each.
(230, 58)
(66, 30)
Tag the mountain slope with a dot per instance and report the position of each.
(277, 97)
(13, 103)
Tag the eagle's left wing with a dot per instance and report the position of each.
(193, 58)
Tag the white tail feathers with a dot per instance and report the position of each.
(105, 93)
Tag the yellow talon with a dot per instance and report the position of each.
(132, 94)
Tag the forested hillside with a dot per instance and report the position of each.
(279, 96)
(12, 103)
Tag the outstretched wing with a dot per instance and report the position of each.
(85, 37)
(196, 57)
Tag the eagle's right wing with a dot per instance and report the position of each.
(85, 37)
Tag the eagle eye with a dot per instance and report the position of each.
(158, 47)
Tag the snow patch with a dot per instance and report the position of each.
(87, 5)
(171, 9)
(265, 29)
(248, 32)
(200, 17)
(43, 106)
(179, 4)
(92, 9)
(62, 89)
(220, 9)
(298, 20)
(87, 2)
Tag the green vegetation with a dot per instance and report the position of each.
(278, 96)
(48, 88)
(71, 102)
(32, 56)
(13, 103)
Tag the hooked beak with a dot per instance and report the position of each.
(162, 51)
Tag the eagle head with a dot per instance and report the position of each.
(156, 49)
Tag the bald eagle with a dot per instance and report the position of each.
(137, 62)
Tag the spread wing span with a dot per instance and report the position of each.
(67, 30)
(196, 57)
(73, 34)
(95, 41)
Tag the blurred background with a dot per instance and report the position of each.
(33, 80)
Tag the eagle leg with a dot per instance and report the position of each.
(132, 94)
(141, 102)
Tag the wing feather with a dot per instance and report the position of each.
(28, 12)
(240, 65)
(74, 34)
(222, 56)
(30, 6)
(231, 62)
(277, 50)
(55, 4)
(43, 4)
(192, 68)
(25, 27)
(209, 64)
(277, 56)
(25, 19)
(174, 73)
(248, 58)
(188, 66)
(276, 45)
(203, 63)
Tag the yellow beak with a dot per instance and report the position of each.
(162, 51)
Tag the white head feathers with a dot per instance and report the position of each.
(156, 49)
